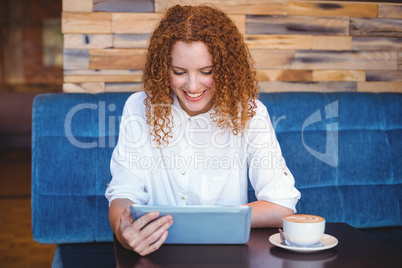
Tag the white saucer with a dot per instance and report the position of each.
(328, 240)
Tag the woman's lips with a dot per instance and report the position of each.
(194, 96)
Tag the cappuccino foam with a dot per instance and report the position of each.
(304, 218)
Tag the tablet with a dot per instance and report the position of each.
(203, 224)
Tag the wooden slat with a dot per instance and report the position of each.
(75, 59)
(134, 22)
(86, 23)
(123, 87)
(347, 60)
(86, 41)
(376, 27)
(272, 59)
(338, 9)
(77, 5)
(331, 42)
(296, 25)
(339, 75)
(117, 58)
(102, 72)
(390, 11)
(399, 60)
(84, 87)
(379, 87)
(231, 6)
(377, 43)
(123, 5)
(131, 40)
(307, 86)
(284, 75)
(279, 41)
(376, 75)
(101, 78)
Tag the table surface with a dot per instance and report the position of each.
(355, 249)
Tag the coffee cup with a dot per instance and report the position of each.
(303, 229)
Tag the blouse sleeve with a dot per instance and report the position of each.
(268, 173)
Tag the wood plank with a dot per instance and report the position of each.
(376, 27)
(117, 58)
(77, 5)
(331, 42)
(377, 43)
(86, 23)
(101, 78)
(279, 41)
(102, 72)
(86, 41)
(131, 40)
(232, 6)
(284, 75)
(123, 87)
(296, 25)
(123, 5)
(272, 59)
(376, 75)
(75, 59)
(336, 9)
(390, 11)
(379, 87)
(307, 86)
(339, 75)
(134, 22)
(399, 60)
(84, 87)
(346, 60)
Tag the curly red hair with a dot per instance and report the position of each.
(234, 74)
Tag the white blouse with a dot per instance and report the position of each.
(202, 165)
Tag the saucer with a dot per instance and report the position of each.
(328, 240)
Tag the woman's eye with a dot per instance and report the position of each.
(207, 72)
(178, 72)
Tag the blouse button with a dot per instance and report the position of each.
(183, 198)
(285, 173)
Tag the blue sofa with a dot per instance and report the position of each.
(344, 150)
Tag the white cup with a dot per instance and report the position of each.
(303, 229)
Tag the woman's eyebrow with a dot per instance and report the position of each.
(206, 67)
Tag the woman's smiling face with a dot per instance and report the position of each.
(191, 76)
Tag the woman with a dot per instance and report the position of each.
(196, 133)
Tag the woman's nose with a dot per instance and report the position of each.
(192, 83)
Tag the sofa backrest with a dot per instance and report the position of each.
(344, 150)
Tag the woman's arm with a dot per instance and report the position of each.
(145, 235)
(267, 214)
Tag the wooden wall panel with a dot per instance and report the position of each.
(116, 58)
(376, 27)
(296, 25)
(86, 23)
(297, 45)
(333, 9)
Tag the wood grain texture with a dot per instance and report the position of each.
(123, 87)
(400, 60)
(117, 58)
(379, 87)
(351, 60)
(134, 22)
(296, 25)
(86, 23)
(272, 59)
(390, 11)
(86, 41)
(284, 75)
(123, 5)
(376, 27)
(84, 87)
(377, 43)
(331, 42)
(77, 5)
(333, 9)
(339, 75)
(377, 75)
(307, 86)
(131, 40)
(102, 78)
(75, 59)
(279, 41)
(231, 6)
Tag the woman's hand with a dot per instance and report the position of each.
(145, 235)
